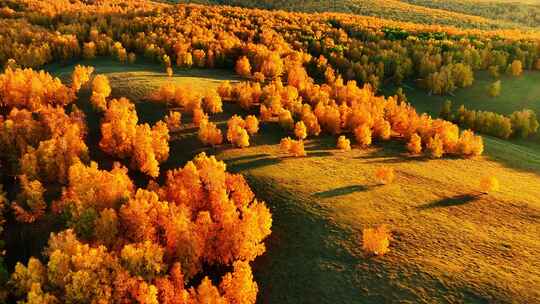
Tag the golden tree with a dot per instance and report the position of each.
(415, 144)
(343, 143)
(385, 175)
(376, 240)
(489, 184)
(251, 124)
(243, 67)
(101, 89)
(363, 135)
(209, 133)
(300, 130)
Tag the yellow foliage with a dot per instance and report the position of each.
(415, 144)
(243, 67)
(343, 143)
(252, 124)
(489, 184)
(385, 175)
(209, 133)
(363, 135)
(212, 103)
(80, 76)
(173, 120)
(291, 146)
(376, 240)
(300, 130)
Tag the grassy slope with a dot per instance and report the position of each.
(516, 93)
(451, 244)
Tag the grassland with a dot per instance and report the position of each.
(516, 93)
(450, 242)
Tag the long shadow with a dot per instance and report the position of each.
(253, 164)
(451, 201)
(247, 157)
(341, 191)
(395, 160)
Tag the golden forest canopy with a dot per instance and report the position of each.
(189, 234)
(485, 14)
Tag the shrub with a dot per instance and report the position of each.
(375, 241)
(385, 175)
(489, 184)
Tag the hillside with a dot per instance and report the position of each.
(449, 239)
(153, 153)
(468, 14)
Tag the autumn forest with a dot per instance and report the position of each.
(365, 152)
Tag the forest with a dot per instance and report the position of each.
(103, 202)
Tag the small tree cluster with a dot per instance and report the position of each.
(209, 133)
(293, 147)
(122, 137)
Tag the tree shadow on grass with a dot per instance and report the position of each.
(451, 201)
(252, 164)
(341, 191)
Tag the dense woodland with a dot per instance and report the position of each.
(188, 235)
(484, 14)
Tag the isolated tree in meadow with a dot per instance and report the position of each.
(243, 67)
(343, 143)
(489, 184)
(291, 146)
(375, 241)
(494, 89)
(446, 111)
(385, 175)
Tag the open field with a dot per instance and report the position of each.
(450, 242)
(516, 93)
